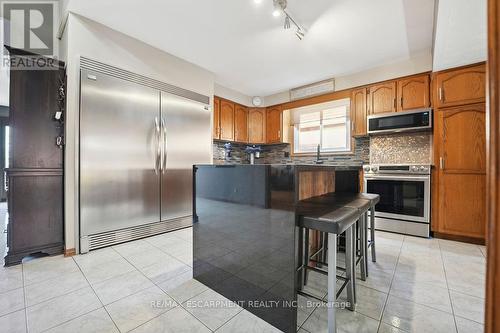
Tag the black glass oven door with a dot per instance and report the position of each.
(400, 198)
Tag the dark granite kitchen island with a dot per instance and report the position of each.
(245, 235)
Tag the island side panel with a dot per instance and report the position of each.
(242, 250)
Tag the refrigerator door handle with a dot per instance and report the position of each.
(158, 147)
(164, 159)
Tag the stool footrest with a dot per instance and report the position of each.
(322, 271)
(337, 295)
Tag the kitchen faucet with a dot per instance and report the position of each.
(319, 160)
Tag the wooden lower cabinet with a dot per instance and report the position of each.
(257, 125)
(314, 183)
(460, 179)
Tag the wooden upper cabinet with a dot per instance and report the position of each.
(461, 86)
(226, 120)
(273, 125)
(413, 93)
(216, 116)
(257, 125)
(240, 123)
(358, 112)
(460, 139)
(382, 98)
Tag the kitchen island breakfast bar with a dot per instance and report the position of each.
(251, 239)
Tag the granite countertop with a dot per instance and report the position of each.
(301, 166)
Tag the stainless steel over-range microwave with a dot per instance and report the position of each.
(400, 121)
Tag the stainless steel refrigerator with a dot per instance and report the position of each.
(139, 139)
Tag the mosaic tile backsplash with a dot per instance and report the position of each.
(401, 148)
(280, 154)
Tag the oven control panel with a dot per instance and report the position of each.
(397, 169)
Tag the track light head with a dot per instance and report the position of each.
(300, 34)
(287, 22)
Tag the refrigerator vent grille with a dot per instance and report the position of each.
(86, 63)
(128, 234)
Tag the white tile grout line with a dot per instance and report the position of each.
(157, 285)
(447, 287)
(96, 295)
(24, 295)
(90, 285)
(457, 292)
(86, 313)
(390, 286)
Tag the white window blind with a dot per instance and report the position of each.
(326, 124)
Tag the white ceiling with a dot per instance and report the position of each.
(461, 33)
(247, 48)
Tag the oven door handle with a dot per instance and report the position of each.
(395, 177)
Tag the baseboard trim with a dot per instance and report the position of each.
(464, 239)
(69, 252)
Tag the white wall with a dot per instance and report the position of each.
(93, 40)
(461, 33)
(417, 64)
(232, 95)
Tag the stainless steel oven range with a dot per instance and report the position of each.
(405, 197)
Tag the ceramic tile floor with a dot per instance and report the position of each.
(417, 285)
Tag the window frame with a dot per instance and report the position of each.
(349, 150)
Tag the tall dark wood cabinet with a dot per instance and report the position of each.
(35, 173)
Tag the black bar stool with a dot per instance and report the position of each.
(337, 221)
(374, 199)
(362, 205)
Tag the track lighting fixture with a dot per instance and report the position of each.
(279, 9)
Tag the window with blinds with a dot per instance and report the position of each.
(326, 125)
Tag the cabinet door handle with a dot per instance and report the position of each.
(441, 94)
(395, 103)
(441, 163)
(401, 102)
